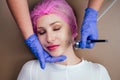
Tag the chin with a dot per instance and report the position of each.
(55, 54)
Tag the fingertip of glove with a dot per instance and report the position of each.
(90, 46)
(42, 66)
(62, 58)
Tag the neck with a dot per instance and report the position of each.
(72, 59)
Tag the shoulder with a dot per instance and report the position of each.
(94, 66)
(30, 64)
(104, 75)
(26, 70)
(98, 69)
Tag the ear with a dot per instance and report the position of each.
(74, 37)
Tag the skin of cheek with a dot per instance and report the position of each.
(67, 39)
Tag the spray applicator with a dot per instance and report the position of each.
(77, 44)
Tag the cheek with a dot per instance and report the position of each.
(66, 38)
(41, 39)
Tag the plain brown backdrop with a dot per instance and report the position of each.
(14, 53)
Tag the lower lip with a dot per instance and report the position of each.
(52, 48)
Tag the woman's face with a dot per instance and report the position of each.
(54, 34)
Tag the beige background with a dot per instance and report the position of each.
(14, 53)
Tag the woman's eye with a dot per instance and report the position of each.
(57, 28)
(41, 32)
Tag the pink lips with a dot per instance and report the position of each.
(52, 47)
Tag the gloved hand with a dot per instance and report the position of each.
(43, 57)
(89, 28)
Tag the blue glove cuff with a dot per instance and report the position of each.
(90, 10)
(90, 14)
(30, 39)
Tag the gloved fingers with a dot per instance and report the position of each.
(90, 45)
(46, 54)
(42, 62)
(36, 48)
(51, 59)
(83, 40)
(94, 35)
(40, 55)
(56, 59)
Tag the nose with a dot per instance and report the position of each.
(50, 37)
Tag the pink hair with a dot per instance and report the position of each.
(58, 7)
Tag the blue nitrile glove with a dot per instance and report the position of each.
(89, 28)
(43, 57)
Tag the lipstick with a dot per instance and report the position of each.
(52, 47)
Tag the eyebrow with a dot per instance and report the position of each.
(54, 23)
(50, 24)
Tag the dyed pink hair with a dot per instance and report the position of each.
(58, 7)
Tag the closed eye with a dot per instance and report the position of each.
(56, 29)
(41, 31)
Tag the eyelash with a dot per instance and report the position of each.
(42, 33)
(56, 29)
(45, 31)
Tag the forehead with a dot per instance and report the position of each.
(48, 19)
